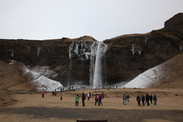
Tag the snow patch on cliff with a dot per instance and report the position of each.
(149, 78)
(43, 82)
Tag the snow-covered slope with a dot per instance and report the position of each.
(149, 78)
(43, 82)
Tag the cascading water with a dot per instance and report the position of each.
(12, 53)
(38, 51)
(94, 53)
(98, 50)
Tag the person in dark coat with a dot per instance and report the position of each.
(143, 100)
(138, 100)
(151, 98)
(155, 99)
(147, 99)
(43, 93)
(83, 99)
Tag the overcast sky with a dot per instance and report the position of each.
(101, 19)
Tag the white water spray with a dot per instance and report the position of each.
(38, 51)
(12, 53)
(98, 51)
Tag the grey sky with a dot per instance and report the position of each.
(101, 19)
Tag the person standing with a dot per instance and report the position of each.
(102, 94)
(96, 99)
(43, 93)
(83, 99)
(61, 95)
(128, 97)
(138, 100)
(147, 99)
(77, 100)
(100, 99)
(89, 95)
(151, 98)
(155, 99)
(124, 99)
(143, 100)
(55, 92)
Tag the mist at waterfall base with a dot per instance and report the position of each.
(95, 53)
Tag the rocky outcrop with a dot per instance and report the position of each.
(131, 55)
(52, 53)
(175, 22)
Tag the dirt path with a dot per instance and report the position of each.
(32, 107)
(112, 115)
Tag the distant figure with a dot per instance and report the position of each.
(151, 98)
(43, 93)
(143, 100)
(128, 97)
(102, 94)
(83, 99)
(181, 48)
(61, 95)
(138, 100)
(155, 99)
(124, 99)
(96, 99)
(147, 99)
(100, 99)
(55, 92)
(77, 100)
(89, 95)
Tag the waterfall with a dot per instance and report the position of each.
(94, 53)
(98, 50)
(92, 61)
(38, 51)
(12, 53)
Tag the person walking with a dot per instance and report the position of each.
(55, 92)
(128, 97)
(155, 99)
(83, 99)
(102, 94)
(77, 100)
(124, 99)
(147, 99)
(138, 100)
(61, 95)
(100, 99)
(151, 98)
(143, 100)
(43, 93)
(89, 94)
(96, 99)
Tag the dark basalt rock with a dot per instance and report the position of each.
(150, 50)
(52, 53)
(127, 55)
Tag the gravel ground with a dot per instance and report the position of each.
(112, 115)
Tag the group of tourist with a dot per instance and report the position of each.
(144, 99)
(126, 98)
(147, 99)
(98, 99)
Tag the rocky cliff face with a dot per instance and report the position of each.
(52, 53)
(126, 56)
(131, 55)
